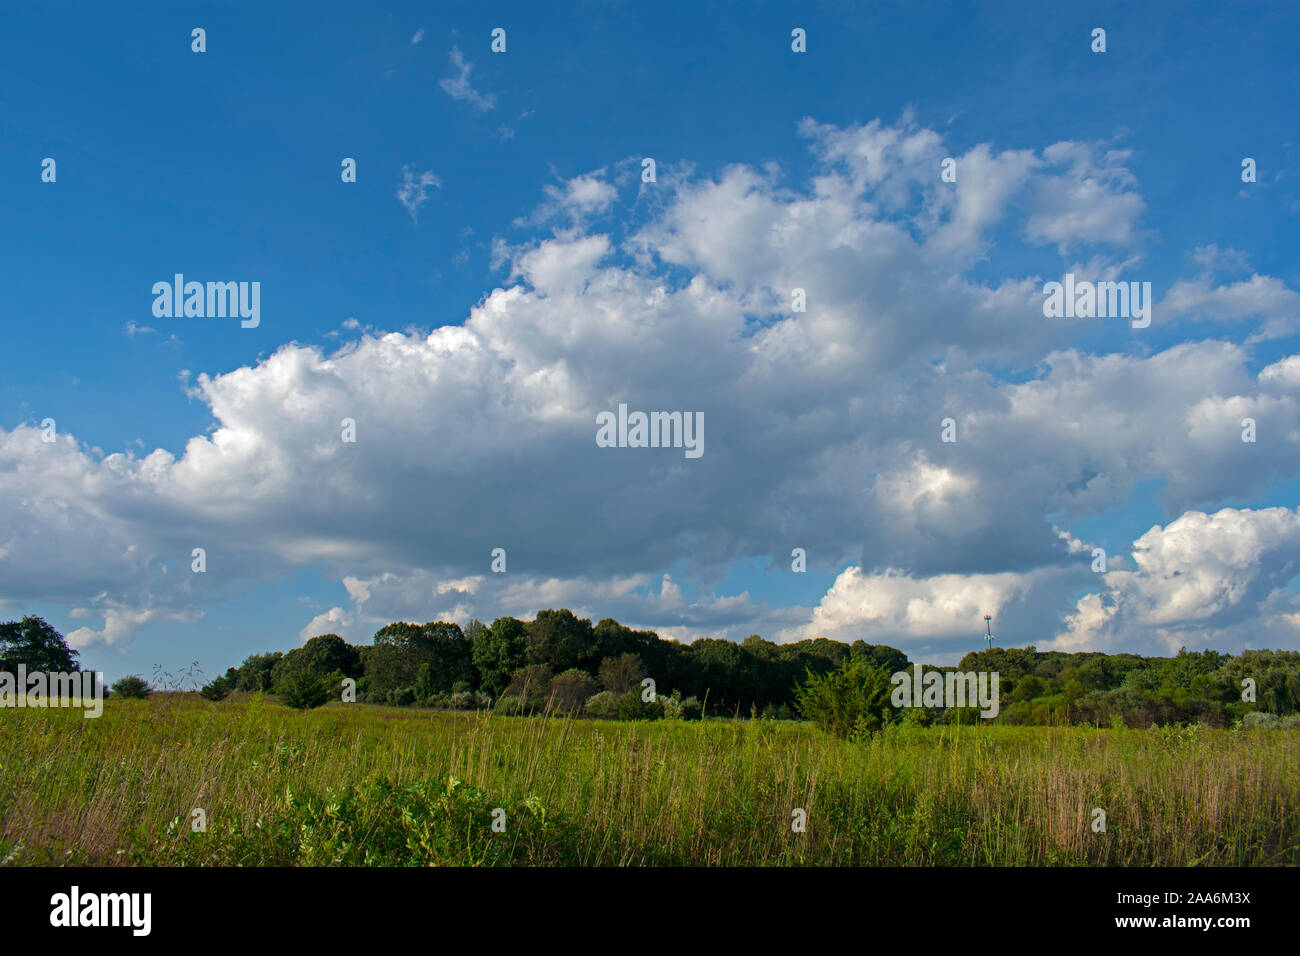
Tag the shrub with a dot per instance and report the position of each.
(425, 687)
(632, 707)
(619, 674)
(570, 690)
(304, 690)
(470, 700)
(132, 686)
(677, 708)
(219, 689)
(604, 704)
(1260, 720)
(510, 705)
(850, 700)
(924, 716)
(959, 716)
(531, 683)
(401, 697)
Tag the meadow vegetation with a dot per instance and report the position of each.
(361, 784)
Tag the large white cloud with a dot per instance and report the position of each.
(822, 426)
(1204, 580)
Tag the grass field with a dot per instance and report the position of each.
(354, 784)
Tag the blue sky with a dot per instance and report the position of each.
(224, 165)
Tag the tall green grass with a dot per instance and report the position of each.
(355, 784)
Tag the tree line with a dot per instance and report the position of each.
(560, 662)
(564, 662)
(557, 661)
(1257, 689)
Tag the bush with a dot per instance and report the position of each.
(401, 697)
(850, 700)
(632, 707)
(1263, 720)
(677, 708)
(570, 690)
(219, 689)
(619, 674)
(959, 716)
(509, 705)
(1260, 720)
(470, 700)
(604, 704)
(426, 687)
(133, 686)
(304, 690)
(532, 684)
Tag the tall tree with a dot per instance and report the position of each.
(35, 644)
(620, 674)
(255, 673)
(498, 652)
(559, 638)
(448, 653)
(571, 689)
(325, 655)
(389, 667)
(399, 633)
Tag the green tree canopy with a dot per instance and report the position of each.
(531, 683)
(622, 673)
(389, 667)
(399, 633)
(35, 644)
(571, 689)
(499, 651)
(559, 639)
(450, 656)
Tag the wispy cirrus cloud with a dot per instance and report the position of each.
(414, 191)
(458, 86)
